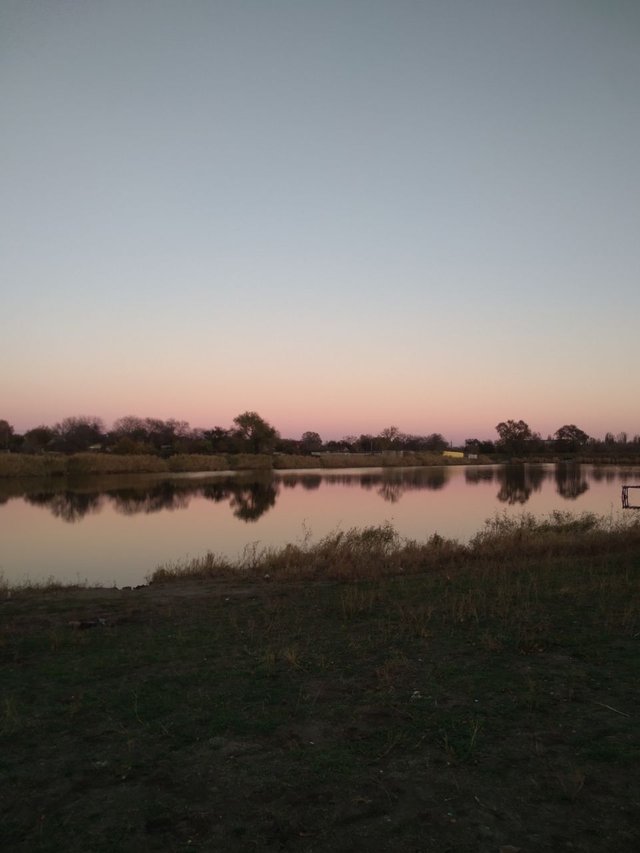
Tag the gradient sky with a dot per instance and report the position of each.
(343, 214)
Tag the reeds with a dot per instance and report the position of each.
(185, 462)
(55, 464)
(13, 465)
(107, 463)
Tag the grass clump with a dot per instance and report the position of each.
(558, 533)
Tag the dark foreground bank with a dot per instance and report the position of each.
(486, 702)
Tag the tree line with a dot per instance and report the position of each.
(250, 433)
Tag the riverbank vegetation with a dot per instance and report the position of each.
(389, 696)
(375, 552)
(78, 464)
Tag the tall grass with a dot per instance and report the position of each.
(372, 460)
(559, 533)
(50, 464)
(249, 461)
(190, 462)
(373, 552)
(296, 461)
(107, 463)
(13, 465)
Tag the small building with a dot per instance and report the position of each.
(453, 454)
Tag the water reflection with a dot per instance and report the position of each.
(307, 481)
(68, 505)
(253, 501)
(249, 500)
(132, 522)
(479, 475)
(249, 496)
(518, 482)
(164, 496)
(571, 481)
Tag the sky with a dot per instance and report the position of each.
(342, 214)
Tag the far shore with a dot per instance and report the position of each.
(81, 464)
(61, 465)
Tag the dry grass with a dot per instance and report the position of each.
(374, 552)
(295, 461)
(249, 461)
(50, 464)
(107, 463)
(185, 462)
(12, 465)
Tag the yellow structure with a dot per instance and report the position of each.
(453, 454)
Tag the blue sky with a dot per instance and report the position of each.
(341, 214)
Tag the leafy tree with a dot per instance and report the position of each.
(514, 436)
(342, 446)
(477, 445)
(435, 441)
(79, 433)
(569, 438)
(163, 435)
(36, 440)
(367, 443)
(286, 445)
(127, 446)
(255, 433)
(310, 442)
(389, 436)
(131, 427)
(220, 439)
(6, 433)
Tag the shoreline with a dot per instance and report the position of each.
(14, 465)
(375, 553)
(81, 464)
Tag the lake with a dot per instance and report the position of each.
(115, 530)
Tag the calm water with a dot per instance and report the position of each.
(115, 530)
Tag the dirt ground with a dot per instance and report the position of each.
(394, 715)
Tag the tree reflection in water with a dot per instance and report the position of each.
(310, 482)
(68, 505)
(570, 481)
(517, 482)
(479, 475)
(249, 499)
(251, 495)
(164, 496)
(251, 502)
